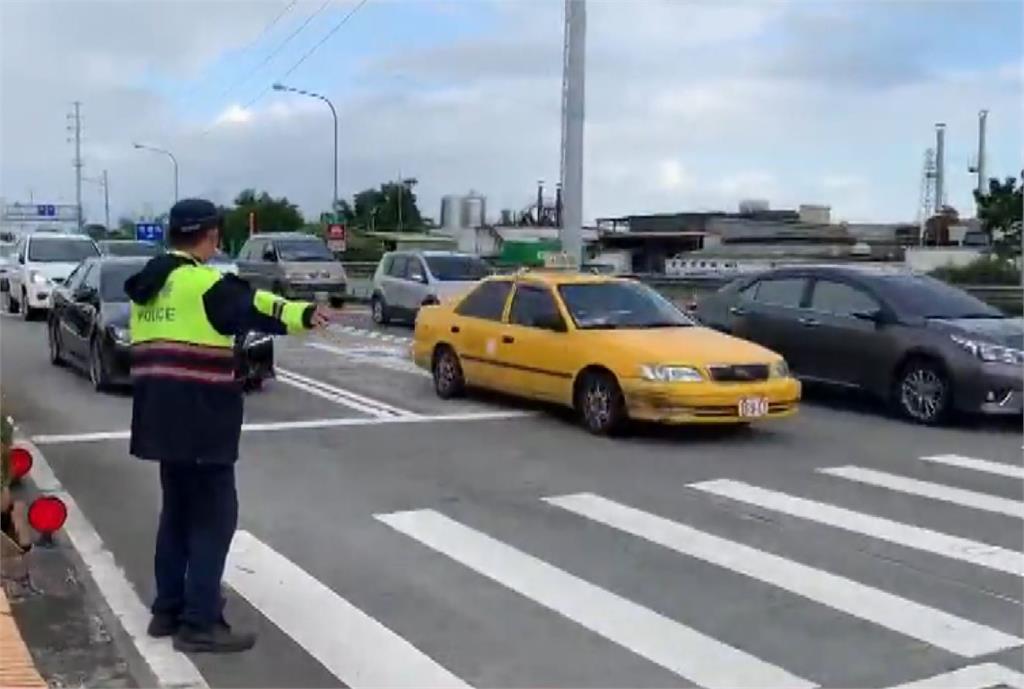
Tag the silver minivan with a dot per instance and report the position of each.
(407, 280)
(294, 265)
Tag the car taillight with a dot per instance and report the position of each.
(47, 514)
(21, 463)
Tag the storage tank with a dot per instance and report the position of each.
(815, 215)
(451, 213)
(474, 210)
(751, 206)
(506, 217)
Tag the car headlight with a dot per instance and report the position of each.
(120, 334)
(780, 369)
(991, 352)
(670, 374)
(38, 278)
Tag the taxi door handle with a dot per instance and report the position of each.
(455, 328)
(508, 339)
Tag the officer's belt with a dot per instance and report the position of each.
(183, 361)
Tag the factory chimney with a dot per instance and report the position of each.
(540, 202)
(558, 205)
(940, 166)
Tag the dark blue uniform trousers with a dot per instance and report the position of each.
(197, 522)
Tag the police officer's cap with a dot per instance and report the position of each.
(193, 215)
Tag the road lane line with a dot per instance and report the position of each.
(331, 397)
(342, 392)
(915, 620)
(906, 535)
(670, 644)
(169, 668)
(400, 364)
(69, 438)
(983, 676)
(351, 645)
(935, 491)
(998, 468)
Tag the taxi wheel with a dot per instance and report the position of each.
(448, 379)
(600, 403)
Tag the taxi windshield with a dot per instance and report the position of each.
(620, 305)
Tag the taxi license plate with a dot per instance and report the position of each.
(752, 407)
(320, 297)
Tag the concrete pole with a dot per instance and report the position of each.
(940, 166)
(78, 163)
(106, 200)
(573, 101)
(982, 123)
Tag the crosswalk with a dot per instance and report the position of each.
(361, 651)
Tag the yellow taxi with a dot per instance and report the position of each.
(612, 349)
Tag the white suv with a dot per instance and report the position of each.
(44, 260)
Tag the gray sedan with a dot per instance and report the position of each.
(919, 343)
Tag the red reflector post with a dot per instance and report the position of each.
(47, 514)
(21, 462)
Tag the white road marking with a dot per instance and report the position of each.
(670, 644)
(68, 438)
(341, 395)
(935, 491)
(915, 620)
(351, 645)
(983, 676)
(170, 668)
(391, 363)
(998, 468)
(906, 535)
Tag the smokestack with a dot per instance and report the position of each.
(558, 205)
(940, 166)
(982, 120)
(540, 202)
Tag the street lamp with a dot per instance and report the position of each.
(169, 155)
(334, 113)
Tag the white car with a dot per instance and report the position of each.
(44, 261)
(224, 263)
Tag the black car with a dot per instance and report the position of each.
(129, 247)
(88, 327)
(922, 344)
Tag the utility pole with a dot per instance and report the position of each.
(75, 118)
(573, 100)
(106, 200)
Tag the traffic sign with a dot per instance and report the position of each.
(149, 232)
(46, 210)
(337, 237)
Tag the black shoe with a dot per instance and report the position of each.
(216, 639)
(163, 624)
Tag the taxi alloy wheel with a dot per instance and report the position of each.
(923, 392)
(448, 379)
(600, 403)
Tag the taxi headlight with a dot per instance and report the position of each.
(38, 278)
(670, 374)
(780, 369)
(991, 352)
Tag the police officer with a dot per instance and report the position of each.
(187, 415)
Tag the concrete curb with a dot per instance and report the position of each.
(17, 669)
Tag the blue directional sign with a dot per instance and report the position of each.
(149, 232)
(46, 210)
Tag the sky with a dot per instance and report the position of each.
(690, 104)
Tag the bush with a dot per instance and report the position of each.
(987, 270)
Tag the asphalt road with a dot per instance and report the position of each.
(387, 534)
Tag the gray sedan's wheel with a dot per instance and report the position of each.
(922, 392)
(600, 403)
(448, 379)
(97, 372)
(53, 339)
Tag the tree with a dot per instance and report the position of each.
(271, 215)
(391, 207)
(1000, 212)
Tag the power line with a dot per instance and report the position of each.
(326, 37)
(249, 46)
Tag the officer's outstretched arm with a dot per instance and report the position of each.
(234, 308)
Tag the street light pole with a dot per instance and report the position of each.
(334, 114)
(169, 155)
(104, 181)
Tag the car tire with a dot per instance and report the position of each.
(27, 312)
(53, 340)
(449, 382)
(97, 373)
(379, 311)
(336, 302)
(600, 403)
(12, 303)
(922, 392)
